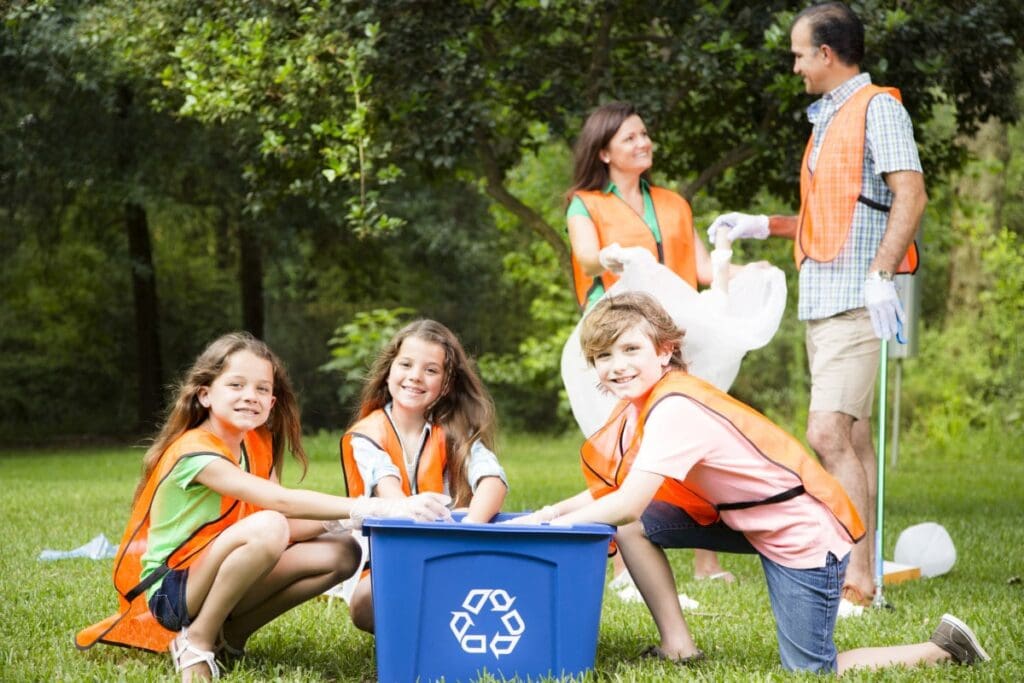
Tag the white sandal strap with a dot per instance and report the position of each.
(181, 648)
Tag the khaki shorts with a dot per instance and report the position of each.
(843, 354)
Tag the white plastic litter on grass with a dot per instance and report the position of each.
(99, 548)
(623, 587)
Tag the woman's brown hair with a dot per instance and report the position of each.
(588, 171)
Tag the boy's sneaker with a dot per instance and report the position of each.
(956, 638)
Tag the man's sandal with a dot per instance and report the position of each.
(185, 655)
(655, 652)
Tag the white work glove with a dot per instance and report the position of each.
(423, 507)
(884, 305)
(740, 225)
(543, 516)
(615, 258)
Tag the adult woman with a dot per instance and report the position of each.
(612, 200)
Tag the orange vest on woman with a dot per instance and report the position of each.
(616, 221)
(770, 440)
(829, 196)
(134, 625)
(431, 461)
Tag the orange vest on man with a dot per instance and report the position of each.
(377, 427)
(829, 196)
(134, 625)
(770, 440)
(616, 221)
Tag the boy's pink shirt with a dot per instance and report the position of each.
(683, 440)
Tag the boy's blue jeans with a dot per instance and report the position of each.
(805, 602)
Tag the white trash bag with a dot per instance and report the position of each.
(928, 546)
(721, 325)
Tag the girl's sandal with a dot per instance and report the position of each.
(185, 655)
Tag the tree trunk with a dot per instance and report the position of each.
(150, 374)
(147, 319)
(251, 279)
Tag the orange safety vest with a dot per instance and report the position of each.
(134, 625)
(767, 438)
(431, 461)
(616, 221)
(829, 196)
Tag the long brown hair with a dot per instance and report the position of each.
(464, 408)
(187, 412)
(588, 171)
(613, 315)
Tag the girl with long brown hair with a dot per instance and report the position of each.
(426, 423)
(216, 544)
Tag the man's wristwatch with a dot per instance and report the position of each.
(880, 275)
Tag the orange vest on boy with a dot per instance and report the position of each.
(770, 440)
(606, 460)
(616, 221)
(829, 196)
(134, 625)
(431, 461)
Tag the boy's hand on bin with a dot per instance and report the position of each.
(423, 507)
(543, 516)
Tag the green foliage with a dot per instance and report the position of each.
(357, 343)
(353, 141)
(980, 388)
(528, 380)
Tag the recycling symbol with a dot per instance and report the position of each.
(499, 602)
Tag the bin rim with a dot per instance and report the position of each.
(589, 529)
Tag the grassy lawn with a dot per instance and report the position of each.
(62, 498)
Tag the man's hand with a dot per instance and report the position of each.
(884, 305)
(739, 226)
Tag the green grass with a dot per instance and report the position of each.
(62, 498)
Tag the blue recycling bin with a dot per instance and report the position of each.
(454, 600)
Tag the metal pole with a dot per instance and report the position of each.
(895, 445)
(879, 601)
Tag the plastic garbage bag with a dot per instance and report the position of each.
(721, 325)
(99, 548)
(928, 546)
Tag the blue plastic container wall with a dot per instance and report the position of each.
(454, 600)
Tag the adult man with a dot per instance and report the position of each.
(862, 197)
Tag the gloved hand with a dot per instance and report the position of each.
(740, 225)
(424, 507)
(611, 258)
(543, 516)
(615, 258)
(884, 305)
